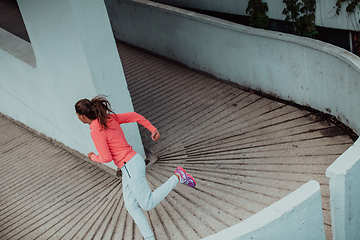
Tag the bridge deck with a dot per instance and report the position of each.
(245, 151)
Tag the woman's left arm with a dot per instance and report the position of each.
(135, 117)
(155, 136)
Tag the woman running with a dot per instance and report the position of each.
(110, 142)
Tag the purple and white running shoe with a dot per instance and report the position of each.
(185, 178)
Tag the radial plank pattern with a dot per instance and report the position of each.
(245, 151)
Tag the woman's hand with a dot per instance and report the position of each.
(90, 154)
(155, 135)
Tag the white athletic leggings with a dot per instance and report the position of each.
(137, 193)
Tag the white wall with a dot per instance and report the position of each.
(298, 69)
(297, 216)
(75, 57)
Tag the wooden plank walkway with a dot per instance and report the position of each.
(245, 151)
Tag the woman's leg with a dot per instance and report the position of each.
(139, 186)
(134, 209)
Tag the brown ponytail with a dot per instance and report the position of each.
(98, 108)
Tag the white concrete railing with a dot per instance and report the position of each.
(303, 70)
(297, 216)
(344, 194)
(306, 71)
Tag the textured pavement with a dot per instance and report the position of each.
(245, 151)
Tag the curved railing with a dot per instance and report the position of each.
(296, 216)
(302, 70)
(305, 71)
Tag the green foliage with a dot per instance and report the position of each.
(352, 5)
(300, 17)
(257, 10)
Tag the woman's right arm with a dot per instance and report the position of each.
(101, 145)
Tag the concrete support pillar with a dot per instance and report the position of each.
(76, 57)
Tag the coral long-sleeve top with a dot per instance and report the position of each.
(111, 143)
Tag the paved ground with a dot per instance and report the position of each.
(245, 151)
